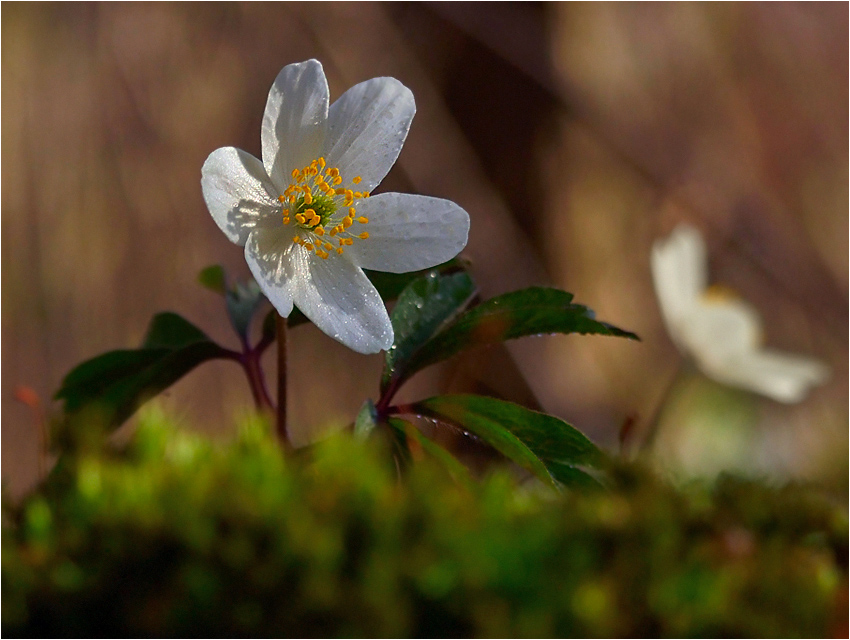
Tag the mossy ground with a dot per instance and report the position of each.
(181, 536)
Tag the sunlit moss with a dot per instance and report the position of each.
(178, 535)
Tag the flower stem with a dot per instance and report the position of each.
(281, 378)
(250, 361)
(650, 429)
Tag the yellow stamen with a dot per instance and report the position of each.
(340, 250)
(364, 235)
(357, 180)
(308, 246)
(319, 231)
(363, 220)
(300, 217)
(286, 220)
(347, 222)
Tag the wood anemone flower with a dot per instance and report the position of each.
(718, 330)
(305, 213)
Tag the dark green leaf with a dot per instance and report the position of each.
(114, 384)
(459, 472)
(213, 278)
(423, 308)
(169, 330)
(527, 312)
(488, 422)
(557, 445)
(571, 476)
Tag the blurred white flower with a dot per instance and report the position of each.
(304, 213)
(718, 330)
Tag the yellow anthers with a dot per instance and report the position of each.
(318, 184)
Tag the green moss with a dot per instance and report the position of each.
(183, 537)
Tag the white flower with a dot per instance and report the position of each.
(305, 216)
(719, 331)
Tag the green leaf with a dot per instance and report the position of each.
(114, 384)
(242, 303)
(389, 286)
(455, 468)
(554, 444)
(169, 330)
(213, 278)
(367, 420)
(533, 311)
(423, 308)
(488, 423)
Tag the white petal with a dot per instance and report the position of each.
(268, 253)
(679, 270)
(367, 127)
(780, 376)
(295, 120)
(408, 232)
(340, 300)
(238, 193)
(716, 331)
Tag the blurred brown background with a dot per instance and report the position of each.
(574, 135)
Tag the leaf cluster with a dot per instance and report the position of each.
(437, 315)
